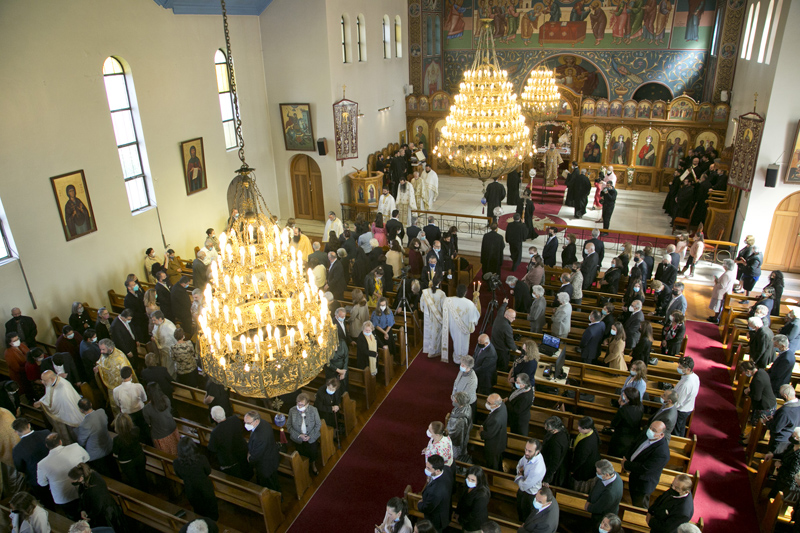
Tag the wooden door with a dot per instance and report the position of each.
(783, 247)
(307, 188)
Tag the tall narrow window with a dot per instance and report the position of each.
(762, 48)
(225, 100)
(361, 38)
(7, 246)
(344, 42)
(119, 96)
(387, 38)
(398, 36)
(437, 35)
(752, 38)
(775, 20)
(747, 31)
(429, 35)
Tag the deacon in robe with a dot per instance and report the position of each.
(525, 209)
(700, 198)
(164, 337)
(60, 404)
(420, 187)
(111, 362)
(492, 248)
(406, 202)
(516, 233)
(513, 181)
(459, 318)
(684, 201)
(552, 158)
(332, 224)
(582, 187)
(569, 199)
(495, 192)
(432, 302)
(386, 204)
(431, 185)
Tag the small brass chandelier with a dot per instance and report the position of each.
(540, 98)
(485, 135)
(264, 329)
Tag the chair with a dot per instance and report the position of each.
(680, 223)
(464, 266)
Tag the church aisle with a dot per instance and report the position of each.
(385, 456)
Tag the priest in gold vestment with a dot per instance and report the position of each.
(552, 158)
(111, 362)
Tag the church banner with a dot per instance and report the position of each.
(345, 123)
(746, 144)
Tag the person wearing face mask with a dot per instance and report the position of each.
(645, 460)
(437, 494)
(611, 523)
(788, 465)
(27, 514)
(263, 452)
(516, 233)
(64, 366)
(673, 508)
(473, 505)
(606, 492)
(90, 354)
(641, 352)
(96, 503)
(485, 364)
(459, 425)
(638, 270)
(374, 286)
(522, 294)
(439, 443)
(791, 329)
(227, 442)
(615, 357)
(328, 403)
(303, 426)
(53, 472)
(626, 422)
(60, 404)
(555, 449)
(396, 519)
(577, 282)
(69, 341)
(530, 472)
(633, 323)
(460, 316)
(673, 335)
(495, 432)
(33, 372)
(668, 414)
(9, 397)
(592, 338)
(561, 321)
(23, 326)
(666, 272)
(382, 320)
(634, 292)
(536, 313)
(466, 381)
(367, 349)
(610, 280)
(545, 515)
(550, 248)
(432, 270)
(687, 389)
(111, 362)
(134, 302)
(432, 303)
(677, 302)
(79, 318)
(786, 418)
(519, 404)
(16, 356)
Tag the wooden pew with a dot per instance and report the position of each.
(58, 522)
(244, 494)
(347, 411)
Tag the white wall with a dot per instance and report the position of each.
(776, 85)
(56, 120)
(303, 62)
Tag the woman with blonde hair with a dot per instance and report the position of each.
(367, 349)
(637, 378)
(625, 257)
(27, 515)
(695, 254)
(359, 313)
(439, 443)
(150, 305)
(527, 362)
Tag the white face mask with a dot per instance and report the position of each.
(464, 369)
(368, 333)
(630, 309)
(16, 344)
(471, 484)
(70, 336)
(301, 408)
(383, 308)
(489, 407)
(249, 427)
(428, 433)
(94, 339)
(80, 310)
(331, 392)
(613, 332)
(427, 473)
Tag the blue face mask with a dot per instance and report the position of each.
(680, 371)
(636, 289)
(601, 530)
(537, 505)
(633, 372)
(650, 434)
(517, 385)
(600, 477)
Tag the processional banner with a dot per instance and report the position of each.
(345, 123)
(746, 144)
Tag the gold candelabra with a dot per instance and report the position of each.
(540, 98)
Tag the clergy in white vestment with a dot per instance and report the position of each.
(60, 404)
(431, 185)
(431, 302)
(164, 337)
(386, 204)
(406, 202)
(332, 224)
(420, 188)
(459, 318)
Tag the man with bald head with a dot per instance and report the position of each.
(495, 432)
(23, 326)
(503, 335)
(485, 364)
(645, 460)
(60, 404)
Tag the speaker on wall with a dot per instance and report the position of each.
(322, 146)
(772, 176)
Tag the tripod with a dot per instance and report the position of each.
(491, 309)
(404, 303)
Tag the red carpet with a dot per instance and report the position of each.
(724, 496)
(385, 456)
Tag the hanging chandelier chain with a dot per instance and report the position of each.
(232, 85)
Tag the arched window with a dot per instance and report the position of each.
(753, 31)
(429, 35)
(762, 49)
(120, 94)
(361, 36)
(747, 32)
(345, 25)
(387, 38)
(437, 35)
(774, 30)
(398, 37)
(225, 100)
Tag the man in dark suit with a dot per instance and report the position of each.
(550, 249)
(781, 370)
(395, 227)
(608, 197)
(200, 271)
(412, 231)
(761, 345)
(674, 257)
(163, 295)
(503, 335)
(228, 444)
(599, 246)
(181, 301)
(90, 354)
(581, 186)
(566, 287)
(495, 193)
(526, 209)
(135, 303)
(677, 302)
(633, 323)
(485, 364)
(122, 333)
(432, 231)
(437, 494)
(673, 508)
(666, 273)
(522, 294)
(23, 326)
(545, 515)
(516, 233)
(336, 279)
(569, 200)
(590, 265)
(262, 451)
(762, 399)
(492, 248)
(783, 423)
(592, 338)
(606, 494)
(495, 432)
(68, 368)
(668, 414)
(645, 461)
(28, 452)
(318, 254)
(433, 270)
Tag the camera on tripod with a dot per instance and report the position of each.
(493, 281)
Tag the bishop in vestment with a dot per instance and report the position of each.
(552, 158)
(431, 302)
(111, 362)
(406, 202)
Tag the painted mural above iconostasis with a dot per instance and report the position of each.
(607, 49)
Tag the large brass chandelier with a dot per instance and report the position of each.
(264, 328)
(540, 98)
(485, 135)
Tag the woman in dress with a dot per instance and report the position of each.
(473, 505)
(626, 423)
(193, 468)
(396, 518)
(80, 319)
(439, 443)
(359, 313)
(674, 334)
(128, 451)
(519, 405)
(97, 504)
(158, 415)
(379, 231)
(615, 357)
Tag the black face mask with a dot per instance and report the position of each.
(675, 293)
(794, 440)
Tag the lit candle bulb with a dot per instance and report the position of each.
(222, 361)
(289, 307)
(238, 282)
(272, 309)
(269, 331)
(257, 346)
(314, 324)
(271, 250)
(270, 352)
(216, 339)
(226, 313)
(257, 311)
(229, 342)
(292, 333)
(269, 281)
(235, 324)
(299, 258)
(241, 255)
(253, 255)
(278, 338)
(243, 342)
(250, 231)
(283, 274)
(260, 335)
(229, 253)
(310, 277)
(246, 367)
(239, 315)
(305, 354)
(302, 302)
(255, 287)
(227, 283)
(302, 330)
(286, 349)
(319, 340)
